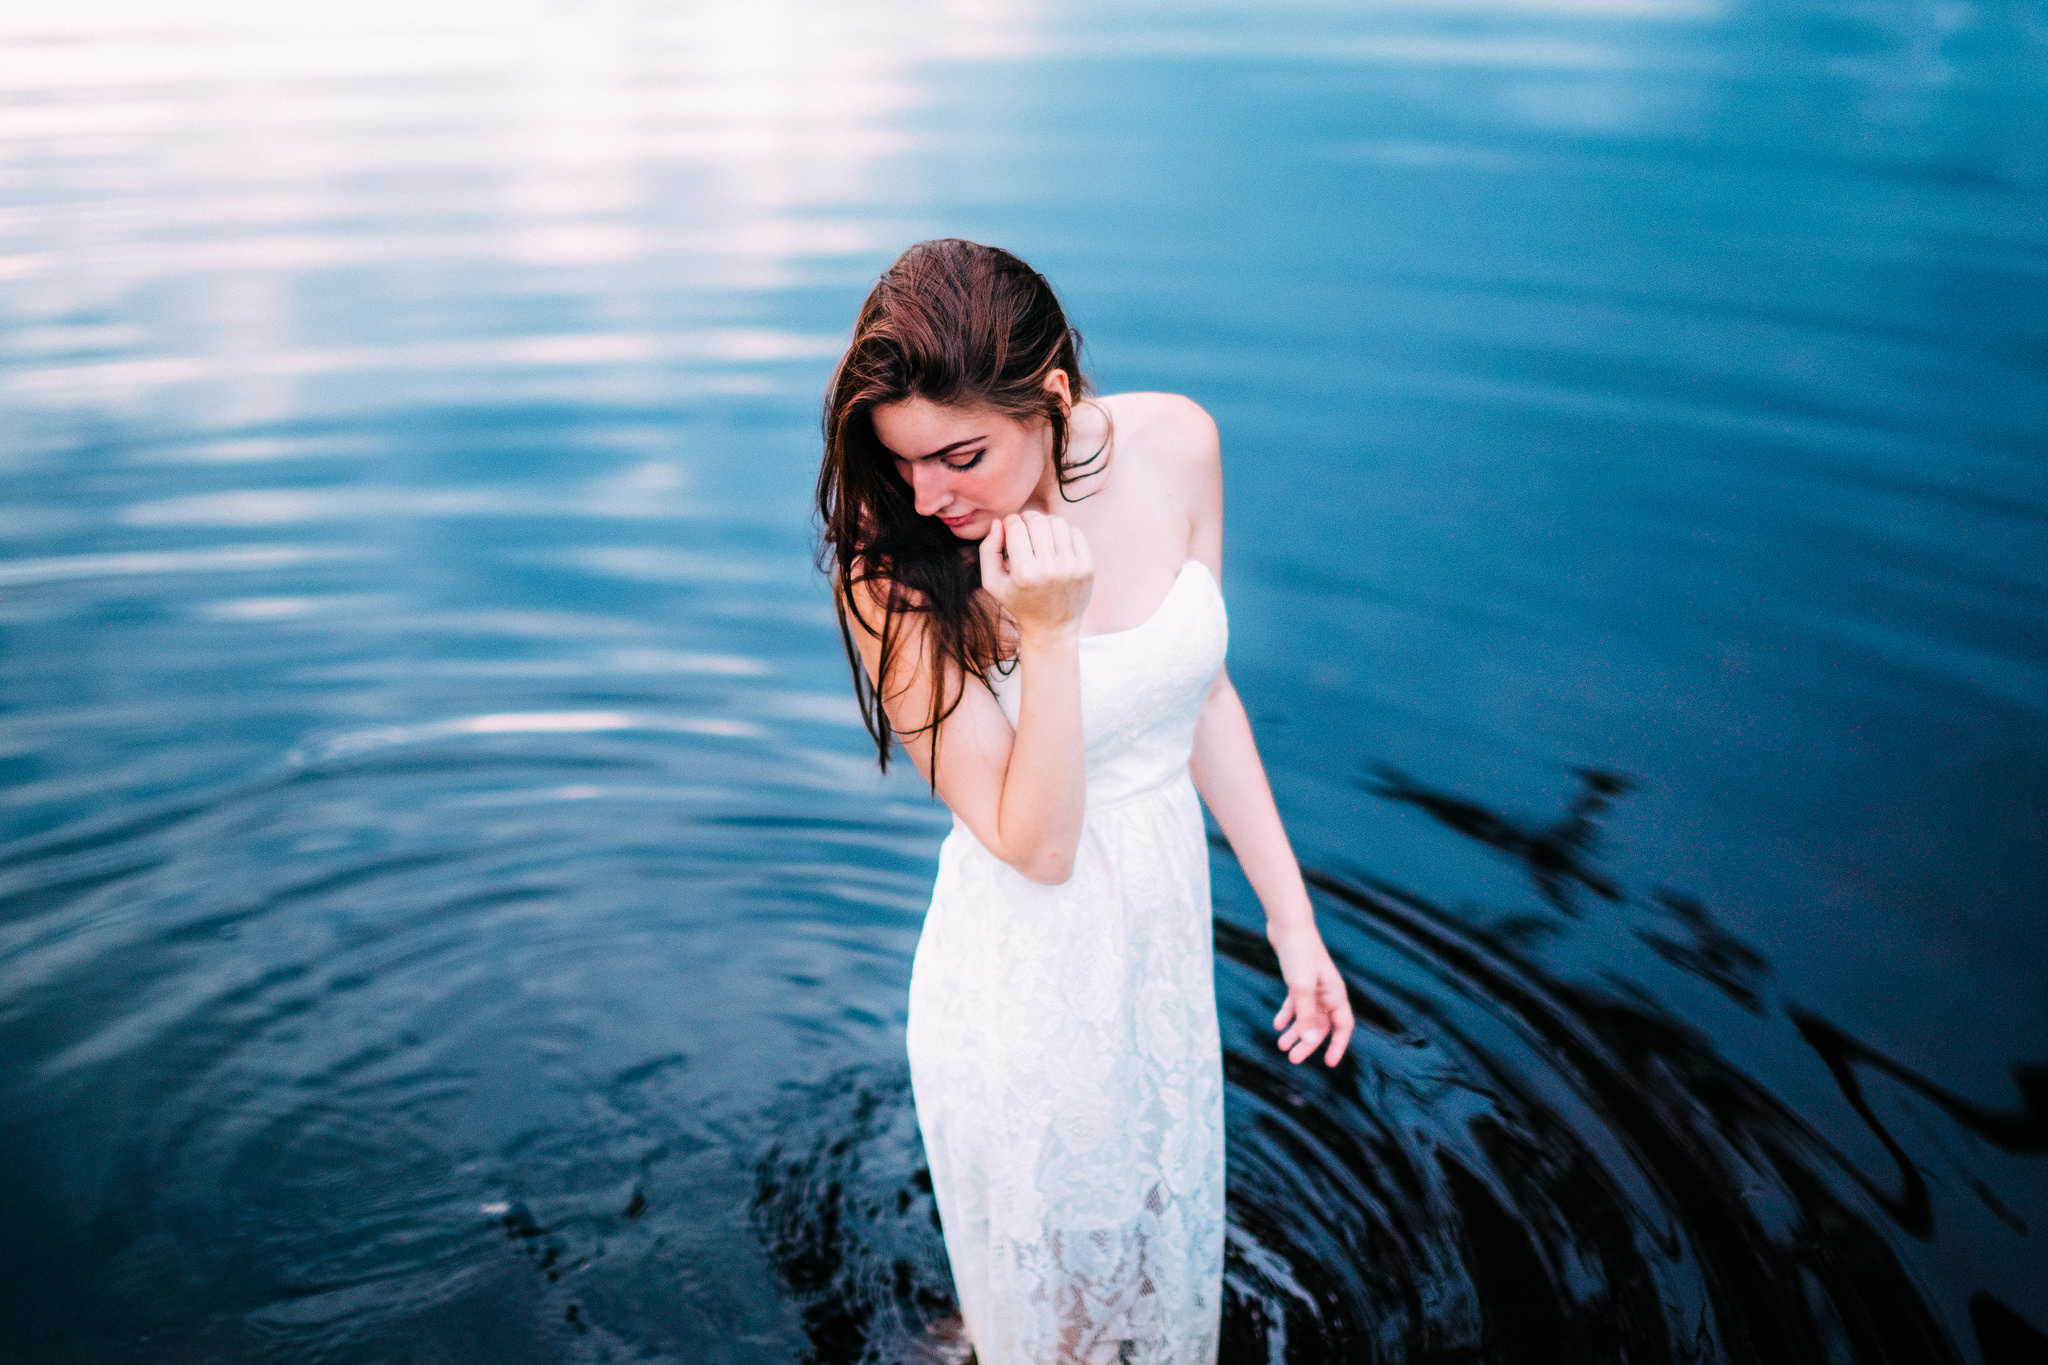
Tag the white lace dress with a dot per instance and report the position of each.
(1063, 1040)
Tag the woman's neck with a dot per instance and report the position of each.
(1087, 430)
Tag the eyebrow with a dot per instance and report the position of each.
(948, 450)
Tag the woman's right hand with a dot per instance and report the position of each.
(1039, 568)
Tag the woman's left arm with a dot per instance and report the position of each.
(1233, 784)
(1226, 764)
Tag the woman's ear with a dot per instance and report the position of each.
(1057, 384)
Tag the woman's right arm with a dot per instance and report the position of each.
(1022, 790)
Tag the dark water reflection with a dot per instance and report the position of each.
(1671, 1209)
(1518, 1167)
(446, 913)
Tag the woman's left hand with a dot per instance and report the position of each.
(1318, 1005)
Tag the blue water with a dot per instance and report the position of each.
(447, 910)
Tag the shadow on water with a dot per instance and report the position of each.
(855, 1241)
(1513, 1167)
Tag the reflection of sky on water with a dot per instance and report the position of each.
(303, 193)
(309, 191)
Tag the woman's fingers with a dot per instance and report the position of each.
(1044, 533)
(992, 571)
(1062, 537)
(1043, 549)
(1340, 1035)
(1318, 1006)
(1300, 1041)
(1301, 1023)
(1314, 1013)
(1029, 562)
(1022, 548)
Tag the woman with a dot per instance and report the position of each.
(1044, 633)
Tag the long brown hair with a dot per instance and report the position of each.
(963, 325)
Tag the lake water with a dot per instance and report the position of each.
(447, 909)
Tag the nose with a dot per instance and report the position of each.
(930, 487)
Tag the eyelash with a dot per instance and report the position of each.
(970, 464)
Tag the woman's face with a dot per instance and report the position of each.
(970, 466)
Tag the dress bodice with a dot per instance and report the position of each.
(1142, 689)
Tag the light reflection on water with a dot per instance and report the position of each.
(448, 912)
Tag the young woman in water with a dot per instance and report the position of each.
(1045, 635)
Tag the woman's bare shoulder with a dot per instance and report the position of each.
(1174, 461)
(874, 595)
(1169, 428)
(1167, 411)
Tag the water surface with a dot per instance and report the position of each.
(447, 909)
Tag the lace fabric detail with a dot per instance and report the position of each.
(1063, 1039)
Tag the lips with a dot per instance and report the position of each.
(958, 521)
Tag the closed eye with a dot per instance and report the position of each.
(973, 458)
